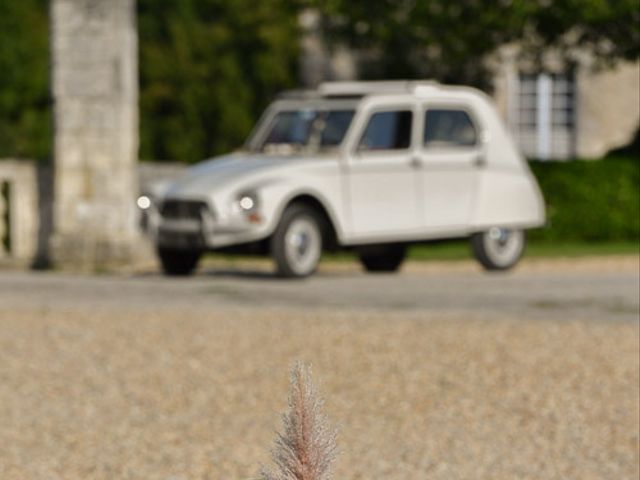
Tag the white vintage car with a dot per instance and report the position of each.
(368, 166)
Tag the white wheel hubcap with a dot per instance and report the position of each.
(504, 246)
(303, 245)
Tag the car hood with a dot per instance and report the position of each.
(214, 173)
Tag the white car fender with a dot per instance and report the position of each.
(289, 196)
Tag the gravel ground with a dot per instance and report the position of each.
(195, 391)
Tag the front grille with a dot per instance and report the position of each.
(183, 209)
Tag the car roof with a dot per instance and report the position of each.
(369, 89)
(331, 89)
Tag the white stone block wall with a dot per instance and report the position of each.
(608, 107)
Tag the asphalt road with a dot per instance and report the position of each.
(555, 291)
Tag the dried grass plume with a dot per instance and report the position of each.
(307, 448)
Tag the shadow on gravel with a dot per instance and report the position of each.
(246, 274)
(237, 273)
(250, 274)
(222, 273)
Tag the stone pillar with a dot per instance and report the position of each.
(95, 92)
(317, 62)
(314, 58)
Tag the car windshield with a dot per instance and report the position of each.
(308, 130)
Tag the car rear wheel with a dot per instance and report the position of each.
(178, 262)
(498, 248)
(385, 259)
(296, 245)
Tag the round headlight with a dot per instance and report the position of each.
(247, 203)
(143, 202)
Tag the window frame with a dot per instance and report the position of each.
(477, 125)
(544, 108)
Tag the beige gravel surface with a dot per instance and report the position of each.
(193, 390)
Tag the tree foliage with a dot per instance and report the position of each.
(449, 41)
(24, 70)
(608, 28)
(208, 67)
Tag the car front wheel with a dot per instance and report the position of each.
(178, 262)
(498, 248)
(296, 245)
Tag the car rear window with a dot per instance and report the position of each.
(449, 127)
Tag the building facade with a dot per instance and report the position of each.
(563, 111)
(555, 110)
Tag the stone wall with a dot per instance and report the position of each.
(31, 200)
(608, 108)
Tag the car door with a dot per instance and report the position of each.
(383, 185)
(451, 156)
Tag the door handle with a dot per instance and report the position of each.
(415, 162)
(480, 160)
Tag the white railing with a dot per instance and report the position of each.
(19, 216)
(4, 227)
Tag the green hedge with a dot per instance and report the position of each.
(592, 201)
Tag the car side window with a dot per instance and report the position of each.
(387, 131)
(449, 128)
